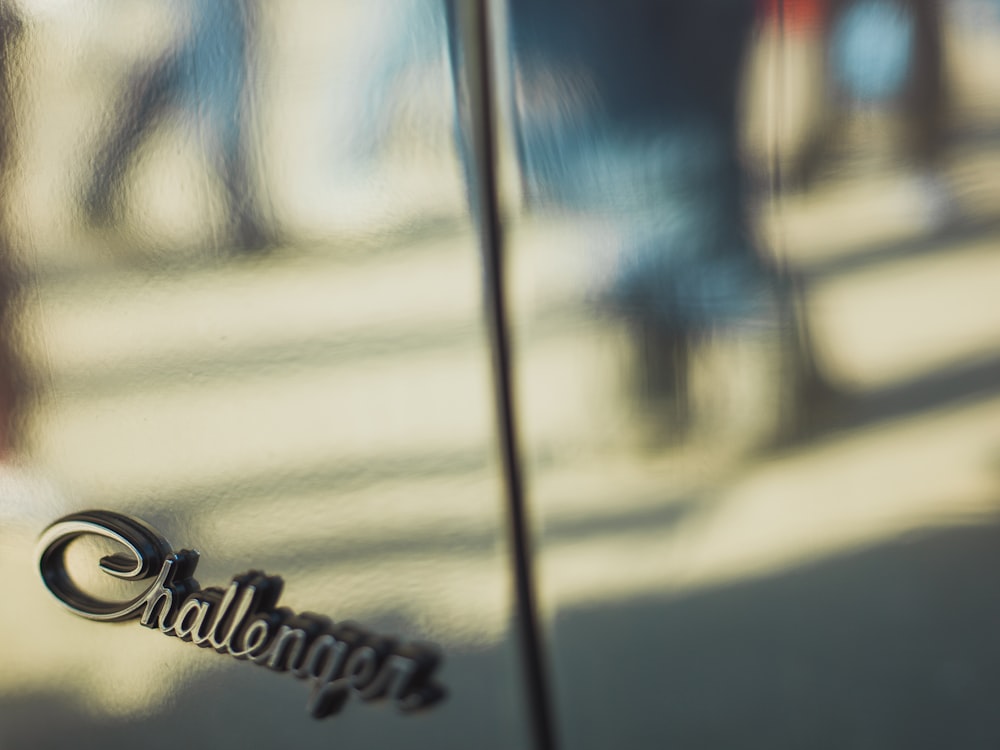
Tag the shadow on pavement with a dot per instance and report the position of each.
(897, 646)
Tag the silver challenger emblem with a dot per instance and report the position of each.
(242, 620)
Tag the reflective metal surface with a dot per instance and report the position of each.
(642, 355)
(243, 288)
(753, 253)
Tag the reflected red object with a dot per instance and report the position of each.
(799, 15)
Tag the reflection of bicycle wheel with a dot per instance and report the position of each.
(871, 49)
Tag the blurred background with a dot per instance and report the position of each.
(748, 258)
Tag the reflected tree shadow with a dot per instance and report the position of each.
(865, 257)
(969, 381)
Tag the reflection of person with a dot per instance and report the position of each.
(883, 52)
(206, 75)
(629, 110)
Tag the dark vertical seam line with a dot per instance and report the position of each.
(479, 66)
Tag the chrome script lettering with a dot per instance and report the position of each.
(243, 620)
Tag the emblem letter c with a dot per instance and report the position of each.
(146, 552)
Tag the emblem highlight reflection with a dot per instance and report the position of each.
(243, 620)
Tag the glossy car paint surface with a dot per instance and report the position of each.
(757, 327)
(261, 265)
(249, 315)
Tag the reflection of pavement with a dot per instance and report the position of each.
(834, 592)
(276, 378)
(325, 418)
(162, 393)
(353, 396)
(888, 646)
(906, 328)
(299, 378)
